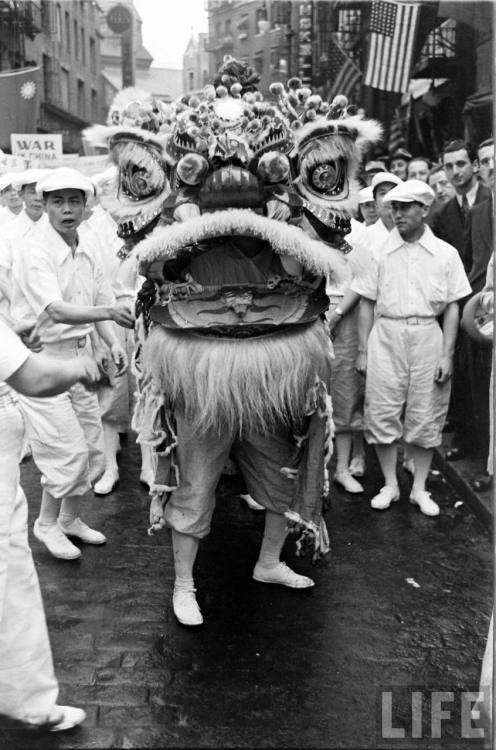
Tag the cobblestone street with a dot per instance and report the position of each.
(271, 667)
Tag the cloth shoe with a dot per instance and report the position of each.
(106, 484)
(82, 531)
(385, 497)
(283, 575)
(70, 717)
(251, 503)
(350, 484)
(425, 502)
(186, 607)
(55, 541)
(357, 466)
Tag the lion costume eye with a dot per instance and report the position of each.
(324, 177)
(138, 183)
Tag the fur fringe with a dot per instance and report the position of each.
(369, 131)
(165, 242)
(238, 385)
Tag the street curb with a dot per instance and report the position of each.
(474, 500)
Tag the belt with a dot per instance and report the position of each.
(413, 320)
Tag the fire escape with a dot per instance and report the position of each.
(18, 20)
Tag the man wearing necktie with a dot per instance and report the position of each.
(450, 224)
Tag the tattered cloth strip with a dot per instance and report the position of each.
(308, 471)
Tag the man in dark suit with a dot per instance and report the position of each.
(478, 250)
(451, 225)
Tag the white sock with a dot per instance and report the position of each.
(69, 510)
(274, 536)
(184, 584)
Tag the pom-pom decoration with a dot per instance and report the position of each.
(192, 169)
(273, 167)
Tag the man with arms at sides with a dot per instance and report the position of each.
(450, 224)
(59, 285)
(28, 686)
(406, 356)
(479, 249)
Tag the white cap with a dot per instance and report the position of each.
(6, 180)
(28, 177)
(381, 177)
(411, 191)
(65, 178)
(366, 195)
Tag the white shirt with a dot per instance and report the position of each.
(13, 354)
(413, 279)
(6, 215)
(45, 271)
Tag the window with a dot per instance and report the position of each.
(64, 89)
(81, 99)
(205, 77)
(243, 27)
(92, 55)
(83, 47)
(191, 80)
(94, 106)
(67, 32)
(76, 40)
(58, 23)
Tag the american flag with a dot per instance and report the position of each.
(392, 40)
(344, 73)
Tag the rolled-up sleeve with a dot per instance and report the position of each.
(13, 353)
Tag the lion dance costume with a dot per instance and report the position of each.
(235, 359)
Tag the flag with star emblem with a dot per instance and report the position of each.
(392, 40)
(19, 102)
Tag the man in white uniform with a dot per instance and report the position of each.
(28, 687)
(59, 286)
(16, 232)
(381, 184)
(11, 200)
(412, 280)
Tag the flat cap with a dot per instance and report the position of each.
(65, 178)
(411, 191)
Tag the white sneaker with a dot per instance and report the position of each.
(70, 717)
(346, 481)
(386, 496)
(357, 466)
(106, 484)
(251, 503)
(55, 541)
(82, 531)
(283, 575)
(425, 502)
(186, 608)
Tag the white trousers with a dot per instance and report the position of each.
(65, 433)
(28, 688)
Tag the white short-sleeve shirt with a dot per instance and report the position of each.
(413, 279)
(13, 353)
(47, 271)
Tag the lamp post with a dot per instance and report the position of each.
(120, 20)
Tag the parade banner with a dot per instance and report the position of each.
(39, 150)
(19, 102)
